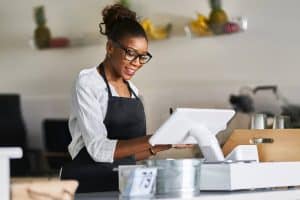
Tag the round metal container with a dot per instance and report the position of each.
(177, 177)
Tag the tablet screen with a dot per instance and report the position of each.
(175, 129)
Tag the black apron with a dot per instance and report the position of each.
(125, 119)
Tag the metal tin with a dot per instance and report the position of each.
(177, 177)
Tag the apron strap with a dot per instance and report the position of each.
(131, 90)
(102, 72)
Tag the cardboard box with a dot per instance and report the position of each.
(274, 145)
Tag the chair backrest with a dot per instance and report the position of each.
(56, 135)
(12, 127)
(10, 106)
(13, 131)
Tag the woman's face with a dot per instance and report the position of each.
(127, 56)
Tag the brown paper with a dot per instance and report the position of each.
(43, 190)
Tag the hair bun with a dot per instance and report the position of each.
(112, 14)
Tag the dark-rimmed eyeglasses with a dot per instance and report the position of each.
(131, 54)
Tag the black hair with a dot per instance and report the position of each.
(120, 22)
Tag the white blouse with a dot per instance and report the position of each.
(88, 111)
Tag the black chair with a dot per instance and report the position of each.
(57, 138)
(13, 132)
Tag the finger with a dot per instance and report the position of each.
(183, 145)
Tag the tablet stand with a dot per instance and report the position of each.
(208, 143)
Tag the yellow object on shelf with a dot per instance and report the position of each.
(200, 26)
(155, 32)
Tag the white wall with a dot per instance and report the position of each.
(197, 72)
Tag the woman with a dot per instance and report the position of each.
(107, 121)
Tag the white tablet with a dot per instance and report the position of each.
(175, 129)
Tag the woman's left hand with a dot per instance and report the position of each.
(183, 146)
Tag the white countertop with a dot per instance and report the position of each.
(270, 194)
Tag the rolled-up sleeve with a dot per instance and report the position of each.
(90, 120)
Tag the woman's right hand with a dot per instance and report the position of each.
(183, 146)
(161, 147)
(157, 148)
